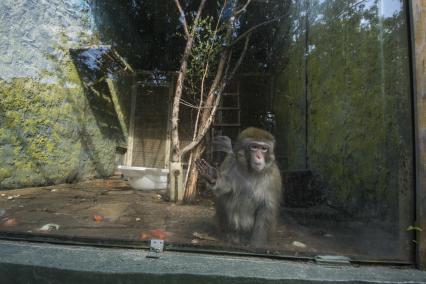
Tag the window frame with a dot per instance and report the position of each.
(417, 17)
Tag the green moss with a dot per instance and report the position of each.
(49, 132)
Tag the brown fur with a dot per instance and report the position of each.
(247, 202)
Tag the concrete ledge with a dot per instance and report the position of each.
(23, 262)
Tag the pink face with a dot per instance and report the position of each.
(258, 152)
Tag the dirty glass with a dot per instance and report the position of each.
(120, 122)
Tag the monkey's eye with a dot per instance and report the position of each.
(257, 147)
(263, 148)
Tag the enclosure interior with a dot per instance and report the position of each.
(330, 80)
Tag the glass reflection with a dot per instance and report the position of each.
(86, 123)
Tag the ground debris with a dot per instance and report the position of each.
(204, 236)
(49, 227)
(154, 234)
(10, 222)
(298, 244)
(98, 218)
(13, 196)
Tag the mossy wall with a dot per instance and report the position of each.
(355, 134)
(49, 131)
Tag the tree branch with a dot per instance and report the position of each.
(182, 14)
(243, 9)
(218, 93)
(250, 30)
(240, 59)
(175, 155)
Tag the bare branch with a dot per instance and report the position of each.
(250, 30)
(200, 9)
(213, 97)
(205, 127)
(182, 14)
(240, 59)
(220, 15)
(201, 101)
(188, 104)
(243, 9)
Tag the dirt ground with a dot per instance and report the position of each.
(110, 209)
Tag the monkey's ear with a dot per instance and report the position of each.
(222, 144)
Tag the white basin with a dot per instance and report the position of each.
(143, 178)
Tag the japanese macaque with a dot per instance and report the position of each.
(247, 187)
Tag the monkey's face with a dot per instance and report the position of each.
(258, 153)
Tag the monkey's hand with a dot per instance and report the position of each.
(222, 144)
(208, 172)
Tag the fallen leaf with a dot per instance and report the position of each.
(98, 218)
(159, 234)
(144, 236)
(10, 222)
(154, 234)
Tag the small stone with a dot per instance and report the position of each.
(49, 227)
(13, 197)
(298, 244)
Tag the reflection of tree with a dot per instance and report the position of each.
(149, 32)
(358, 103)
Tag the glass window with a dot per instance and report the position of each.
(279, 127)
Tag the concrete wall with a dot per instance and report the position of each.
(49, 131)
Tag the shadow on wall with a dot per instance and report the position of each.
(96, 66)
(108, 101)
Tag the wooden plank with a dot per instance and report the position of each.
(117, 106)
(418, 27)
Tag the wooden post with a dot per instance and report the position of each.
(417, 11)
(169, 111)
(176, 188)
(128, 158)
